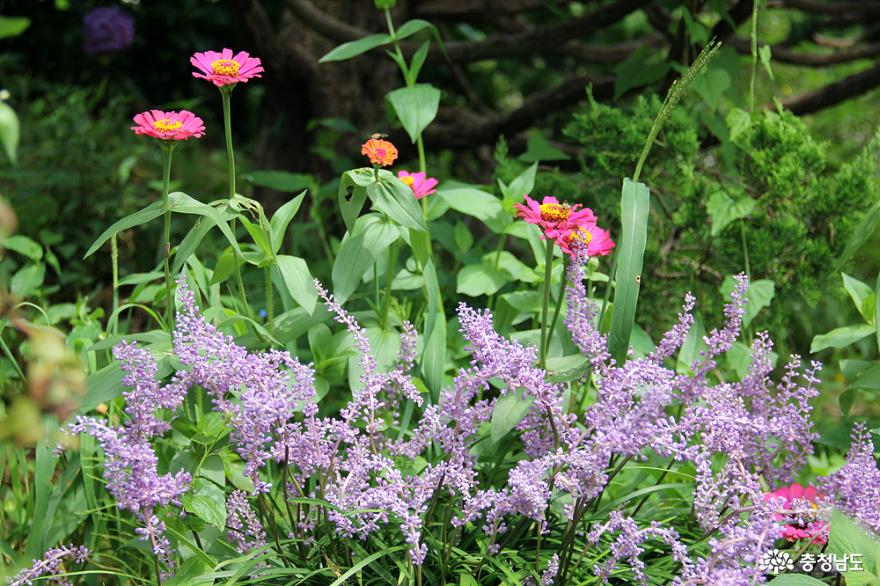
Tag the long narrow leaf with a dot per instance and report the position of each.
(635, 205)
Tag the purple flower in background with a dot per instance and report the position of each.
(51, 564)
(107, 29)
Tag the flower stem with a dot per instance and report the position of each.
(558, 308)
(548, 273)
(270, 309)
(226, 95)
(389, 278)
(114, 256)
(166, 240)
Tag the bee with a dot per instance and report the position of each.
(378, 136)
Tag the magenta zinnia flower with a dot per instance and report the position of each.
(420, 183)
(598, 242)
(169, 125)
(224, 69)
(801, 521)
(553, 217)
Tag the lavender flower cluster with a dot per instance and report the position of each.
(52, 564)
(738, 435)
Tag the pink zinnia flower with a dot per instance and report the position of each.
(554, 217)
(801, 522)
(597, 241)
(420, 183)
(169, 125)
(224, 69)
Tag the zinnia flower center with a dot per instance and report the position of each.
(166, 125)
(225, 67)
(581, 236)
(555, 212)
(409, 180)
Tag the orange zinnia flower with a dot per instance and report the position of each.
(380, 152)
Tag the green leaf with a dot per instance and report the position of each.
(765, 54)
(506, 261)
(355, 48)
(862, 295)
(370, 237)
(184, 204)
(207, 502)
(46, 461)
(352, 195)
(225, 267)
(261, 236)
(142, 216)
(738, 121)
(640, 69)
(281, 220)
(509, 410)
(758, 296)
(280, 180)
(416, 107)
(12, 26)
(9, 131)
(862, 233)
(23, 245)
(298, 280)
(522, 185)
(434, 351)
(635, 205)
(724, 210)
(411, 27)
(795, 580)
(418, 59)
(189, 571)
(476, 203)
(102, 386)
(538, 148)
(847, 538)
(393, 197)
(841, 337)
(481, 279)
(693, 345)
(877, 309)
(712, 85)
(27, 280)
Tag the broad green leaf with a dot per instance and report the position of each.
(481, 279)
(738, 121)
(12, 26)
(225, 267)
(418, 59)
(9, 131)
(352, 194)
(739, 358)
(46, 461)
(298, 280)
(355, 48)
(477, 203)
(184, 204)
(281, 220)
(758, 296)
(416, 107)
(869, 378)
(23, 245)
(841, 337)
(102, 386)
(712, 85)
(27, 280)
(280, 180)
(434, 351)
(207, 502)
(847, 538)
(522, 185)
(563, 369)
(635, 206)
(509, 410)
(393, 197)
(142, 216)
(190, 243)
(411, 27)
(724, 210)
(359, 250)
(191, 571)
(862, 295)
(693, 345)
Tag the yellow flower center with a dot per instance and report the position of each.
(225, 67)
(166, 125)
(409, 180)
(581, 236)
(555, 212)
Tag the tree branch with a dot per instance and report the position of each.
(785, 55)
(468, 129)
(539, 40)
(834, 93)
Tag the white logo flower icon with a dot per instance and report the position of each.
(775, 562)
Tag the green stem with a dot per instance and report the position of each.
(389, 278)
(226, 95)
(270, 309)
(166, 240)
(754, 36)
(548, 273)
(114, 256)
(558, 308)
(227, 124)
